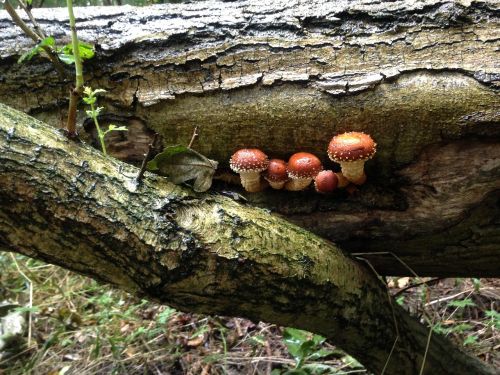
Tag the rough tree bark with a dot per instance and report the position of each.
(67, 204)
(421, 76)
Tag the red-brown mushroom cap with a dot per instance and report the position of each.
(276, 171)
(249, 160)
(326, 181)
(303, 165)
(351, 146)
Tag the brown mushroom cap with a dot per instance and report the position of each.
(276, 171)
(351, 146)
(326, 181)
(248, 160)
(303, 165)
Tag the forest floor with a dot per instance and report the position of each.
(82, 327)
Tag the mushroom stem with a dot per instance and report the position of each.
(343, 182)
(276, 185)
(251, 181)
(353, 171)
(298, 184)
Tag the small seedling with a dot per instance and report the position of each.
(90, 98)
(304, 346)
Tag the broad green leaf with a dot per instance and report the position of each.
(293, 339)
(49, 41)
(66, 53)
(180, 164)
(318, 340)
(66, 58)
(321, 353)
(86, 50)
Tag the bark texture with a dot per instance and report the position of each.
(65, 203)
(422, 77)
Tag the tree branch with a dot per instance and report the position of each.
(66, 204)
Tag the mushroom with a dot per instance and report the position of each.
(302, 167)
(351, 150)
(276, 173)
(249, 162)
(325, 181)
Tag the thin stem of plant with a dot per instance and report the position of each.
(100, 133)
(77, 91)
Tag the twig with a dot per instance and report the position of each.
(428, 283)
(146, 158)
(36, 38)
(27, 10)
(193, 137)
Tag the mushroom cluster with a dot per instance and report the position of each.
(351, 150)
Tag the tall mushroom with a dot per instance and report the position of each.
(249, 163)
(302, 168)
(276, 173)
(352, 150)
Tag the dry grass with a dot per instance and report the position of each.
(82, 327)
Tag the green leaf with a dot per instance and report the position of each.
(293, 339)
(24, 309)
(67, 56)
(49, 41)
(470, 340)
(462, 303)
(86, 50)
(321, 353)
(164, 316)
(180, 164)
(113, 127)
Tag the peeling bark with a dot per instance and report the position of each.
(422, 77)
(65, 203)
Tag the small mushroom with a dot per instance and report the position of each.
(302, 168)
(325, 182)
(352, 150)
(249, 162)
(276, 173)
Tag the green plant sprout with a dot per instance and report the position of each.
(72, 53)
(90, 98)
(304, 346)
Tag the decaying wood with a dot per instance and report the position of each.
(65, 203)
(422, 77)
